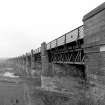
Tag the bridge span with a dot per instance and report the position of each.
(67, 49)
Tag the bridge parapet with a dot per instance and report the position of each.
(69, 37)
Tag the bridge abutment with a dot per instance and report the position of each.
(94, 47)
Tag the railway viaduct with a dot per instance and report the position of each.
(78, 55)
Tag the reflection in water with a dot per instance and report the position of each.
(9, 74)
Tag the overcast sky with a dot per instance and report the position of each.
(25, 24)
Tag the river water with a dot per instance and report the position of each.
(13, 90)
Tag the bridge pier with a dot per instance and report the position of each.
(20, 63)
(46, 66)
(44, 59)
(32, 60)
(28, 64)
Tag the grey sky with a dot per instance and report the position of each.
(24, 24)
